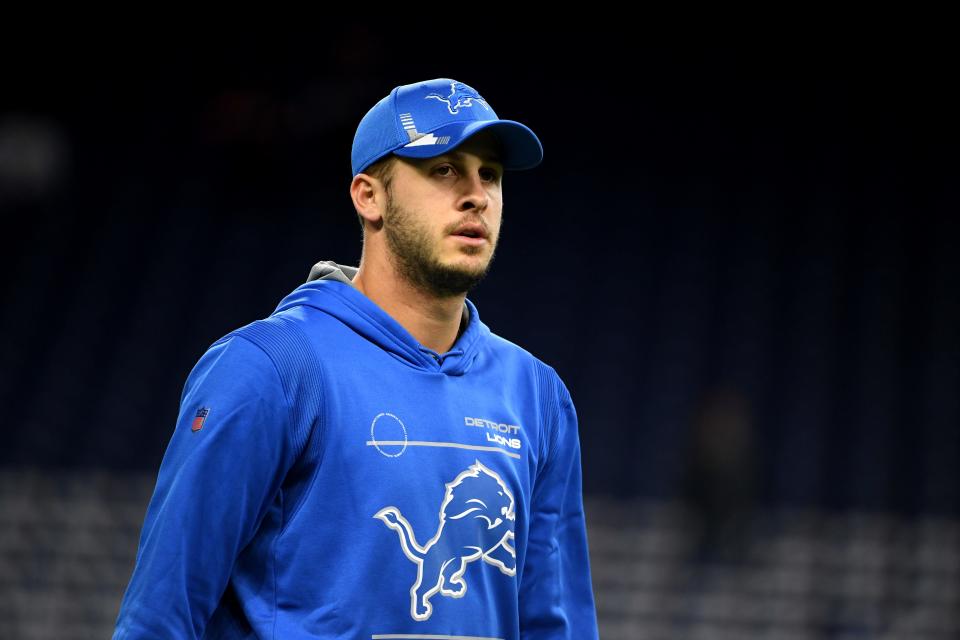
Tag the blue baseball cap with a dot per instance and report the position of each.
(427, 119)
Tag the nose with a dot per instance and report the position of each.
(474, 195)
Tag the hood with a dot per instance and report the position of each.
(330, 289)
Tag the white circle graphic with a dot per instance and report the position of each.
(386, 428)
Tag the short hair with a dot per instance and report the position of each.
(382, 170)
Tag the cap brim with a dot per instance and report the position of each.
(520, 146)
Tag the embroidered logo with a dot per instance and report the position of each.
(460, 96)
(202, 413)
(476, 522)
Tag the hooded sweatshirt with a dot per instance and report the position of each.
(330, 477)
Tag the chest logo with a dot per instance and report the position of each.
(476, 522)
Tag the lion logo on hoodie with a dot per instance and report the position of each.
(476, 522)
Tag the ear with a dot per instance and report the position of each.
(369, 197)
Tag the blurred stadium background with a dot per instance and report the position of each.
(742, 261)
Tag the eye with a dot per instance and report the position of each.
(492, 175)
(447, 170)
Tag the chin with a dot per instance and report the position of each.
(468, 269)
(472, 262)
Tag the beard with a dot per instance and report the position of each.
(414, 256)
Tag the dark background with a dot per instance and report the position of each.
(741, 258)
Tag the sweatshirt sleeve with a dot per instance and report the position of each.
(556, 594)
(225, 462)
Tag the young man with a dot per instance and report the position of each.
(370, 461)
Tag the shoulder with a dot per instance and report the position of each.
(234, 357)
(550, 383)
(283, 343)
(282, 346)
(281, 337)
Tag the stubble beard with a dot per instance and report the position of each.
(413, 257)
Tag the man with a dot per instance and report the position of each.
(370, 461)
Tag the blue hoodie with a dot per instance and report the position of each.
(329, 477)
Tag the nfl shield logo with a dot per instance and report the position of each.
(201, 416)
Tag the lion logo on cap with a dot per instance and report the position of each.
(460, 96)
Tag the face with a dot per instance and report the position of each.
(429, 199)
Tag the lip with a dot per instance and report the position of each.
(469, 240)
(475, 228)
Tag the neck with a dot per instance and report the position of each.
(435, 322)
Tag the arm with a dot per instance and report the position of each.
(213, 489)
(556, 596)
